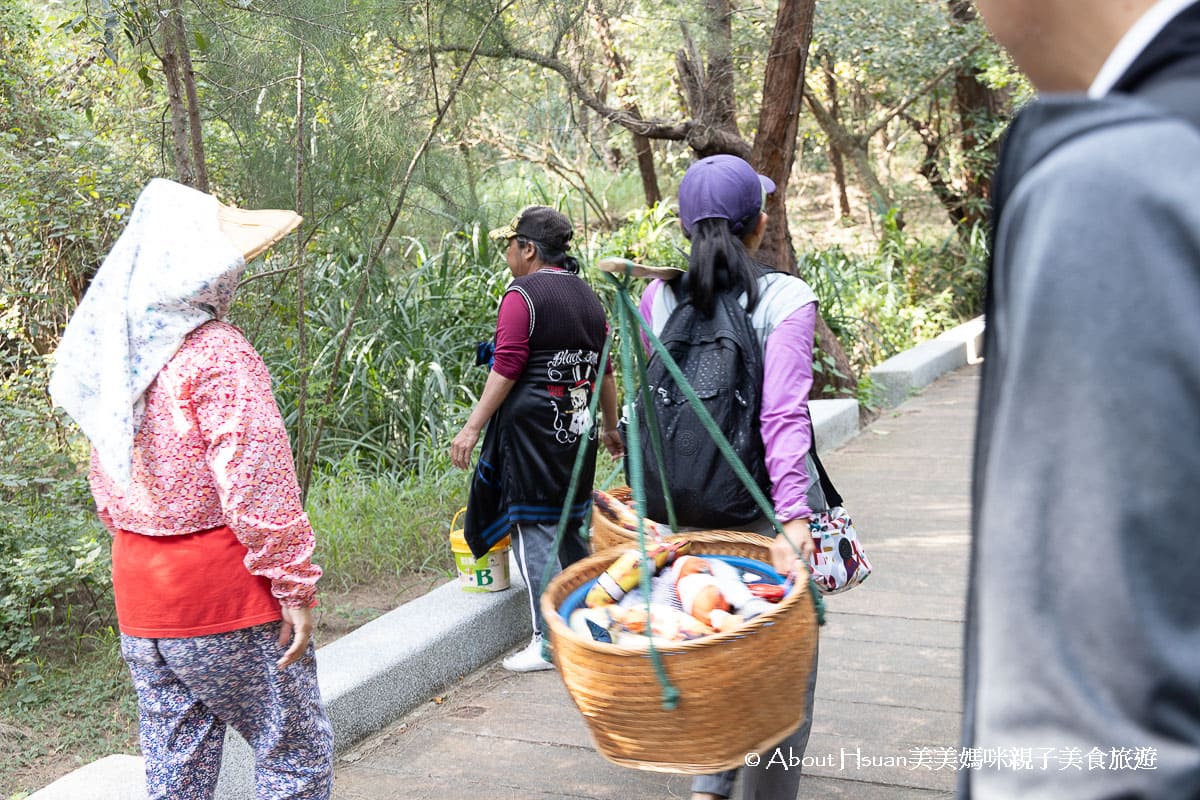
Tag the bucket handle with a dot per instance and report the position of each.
(454, 520)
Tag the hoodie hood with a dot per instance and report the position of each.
(1051, 121)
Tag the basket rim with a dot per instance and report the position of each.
(558, 626)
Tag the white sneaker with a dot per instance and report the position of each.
(528, 659)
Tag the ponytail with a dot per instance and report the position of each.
(718, 263)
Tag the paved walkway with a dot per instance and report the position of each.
(888, 693)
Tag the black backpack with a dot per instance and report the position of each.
(721, 359)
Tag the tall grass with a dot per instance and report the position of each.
(906, 292)
(70, 705)
(408, 377)
(372, 526)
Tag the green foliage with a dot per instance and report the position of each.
(825, 370)
(53, 553)
(997, 70)
(890, 47)
(371, 525)
(70, 706)
(907, 292)
(67, 188)
(650, 236)
(46, 261)
(408, 376)
(66, 195)
(925, 90)
(19, 104)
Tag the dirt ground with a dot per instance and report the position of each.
(340, 612)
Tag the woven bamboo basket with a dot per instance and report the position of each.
(605, 532)
(740, 692)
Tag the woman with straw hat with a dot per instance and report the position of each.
(192, 474)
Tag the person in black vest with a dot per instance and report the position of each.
(549, 335)
(1082, 660)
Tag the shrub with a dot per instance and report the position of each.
(907, 292)
(376, 525)
(408, 377)
(54, 569)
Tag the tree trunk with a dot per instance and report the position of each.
(955, 204)
(645, 160)
(709, 90)
(974, 103)
(855, 149)
(464, 149)
(720, 110)
(188, 76)
(841, 199)
(180, 145)
(601, 138)
(641, 144)
(774, 154)
(774, 149)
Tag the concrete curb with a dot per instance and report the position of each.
(116, 777)
(905, 373)
(389, 666)
(835, 422)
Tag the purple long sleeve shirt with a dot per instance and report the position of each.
(784, 320)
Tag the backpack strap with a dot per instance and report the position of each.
(832, 497)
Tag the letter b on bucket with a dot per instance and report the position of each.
(488, 573)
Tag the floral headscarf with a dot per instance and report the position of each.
(171, 270)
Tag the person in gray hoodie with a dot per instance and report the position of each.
(1082, 674)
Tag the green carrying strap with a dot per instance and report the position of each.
(710, 426)
(654, 428)
(670, 693)
(629, 321)
(610, 478)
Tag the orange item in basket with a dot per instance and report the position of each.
(701, 596)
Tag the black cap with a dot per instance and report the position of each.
(541, 224)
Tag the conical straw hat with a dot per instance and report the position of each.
(252, 232)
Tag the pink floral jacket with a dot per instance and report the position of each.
(211, 451)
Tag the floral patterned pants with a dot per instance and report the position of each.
(190, 689)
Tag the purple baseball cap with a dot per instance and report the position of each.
(723, 187)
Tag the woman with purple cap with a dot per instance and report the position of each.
(721, 201)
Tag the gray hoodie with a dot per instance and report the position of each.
(1083, 649)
